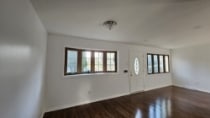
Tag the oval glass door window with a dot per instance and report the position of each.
(136, 66)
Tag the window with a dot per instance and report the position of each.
(86, 61)
(111, 61)
(98, 61)
(149, 63)
(157, 63)
(79, 61)
(166, 64)
(72, 61)
(161, 67)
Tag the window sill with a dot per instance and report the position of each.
(158, 73)
(90, 74)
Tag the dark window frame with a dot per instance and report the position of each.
(154, 63)
(94, 71)
(168, 64)
(163, 62)
(148, 63)
(115, 53)
(79, 61)
(164, 66)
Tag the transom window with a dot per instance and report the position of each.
(157, 63)
(80, 61)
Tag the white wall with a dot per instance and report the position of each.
(22, 60)
(191, 67)
(66, 91)
(156, 80)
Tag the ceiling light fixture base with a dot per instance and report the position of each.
(109, 24)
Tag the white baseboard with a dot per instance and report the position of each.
(190, 88)
(42, 115)
(96, 100)
(84, 102)
(149, 89)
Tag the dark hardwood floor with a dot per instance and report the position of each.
(169, 102)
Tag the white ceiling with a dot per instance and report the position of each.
(160, 23)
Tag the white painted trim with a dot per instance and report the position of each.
(137, 92)
(149, 89)
(97, 100)
(194, 89)
(42, 115)
(83, 103)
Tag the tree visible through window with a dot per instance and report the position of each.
(98, 61)
(86, 61)
(111, 60)
(79, 61)
(72, 61)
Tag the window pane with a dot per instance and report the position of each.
(110, 61)
(149, 62)
(161, 63)
(86, 61)
(98, 61)
(72, 61)
(155, 58)
(166, 64)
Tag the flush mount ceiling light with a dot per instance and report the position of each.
(109, 24)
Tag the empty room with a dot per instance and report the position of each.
(105, 59)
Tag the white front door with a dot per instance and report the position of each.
(136, 71)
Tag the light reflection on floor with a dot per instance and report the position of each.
(161, 108)
(138, 114)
